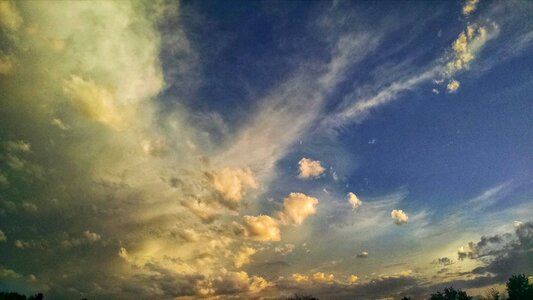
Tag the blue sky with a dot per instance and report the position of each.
(253, 149)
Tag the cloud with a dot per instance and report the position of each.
(352, 279)
(470, 6)
(92, 236)
(453, 86)
(353, 200)
(445, 261)
(96, 102)
(123, 253)
(9, 16)
(261, 228)
(322, 277)
(363, 254)
(399, 216)
(502, 255)
(232, 183)
(242, 257)
(296, 208)
(310, 168)
(3, 236)
(285, 249)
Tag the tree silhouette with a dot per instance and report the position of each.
(519, 288)
(450, 294)
(17, 296)
(493, 294)
(406, 298)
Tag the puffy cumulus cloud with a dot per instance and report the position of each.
(242, 257)
(353, 200)
(9, 16)
(91, 236)
(352, 279)
(465, 47)
(452, 86)
(297, 277)
(238, 282)
(232, 183)
(322, 277)
(296, 208)
(327, 287)
(469, 6)
(3, 236)
(310, 168)
(399, 216)
(96, 102)
(261, 228)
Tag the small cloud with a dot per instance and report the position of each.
(323, 277)
(262, 228)
(285, 249)
(296, 208)
(453, 86)
(242, 257)
(435, 91)
(232, 183)
(363, 254)
(352, 279)
(399, 216)
(372, 141)
(470, 6)
(445, 261)
(353, 200)
(123, 253)
(92, 236)
(3, 236)
(59, 124)
(29, 207)
(310, 168)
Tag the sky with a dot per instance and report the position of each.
(257, 149)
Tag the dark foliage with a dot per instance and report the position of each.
(17, 296)
(519, 288)
(450, 294)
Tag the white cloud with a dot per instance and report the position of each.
(91, 236)
(352, 279)
(262, 228)
(296, 208)
(242, 257)
(232, 183)
(470, 6)
(96, 102)
(123, 253)
(310, 168)
(452, 86)
(399, 216)
(353, 200)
